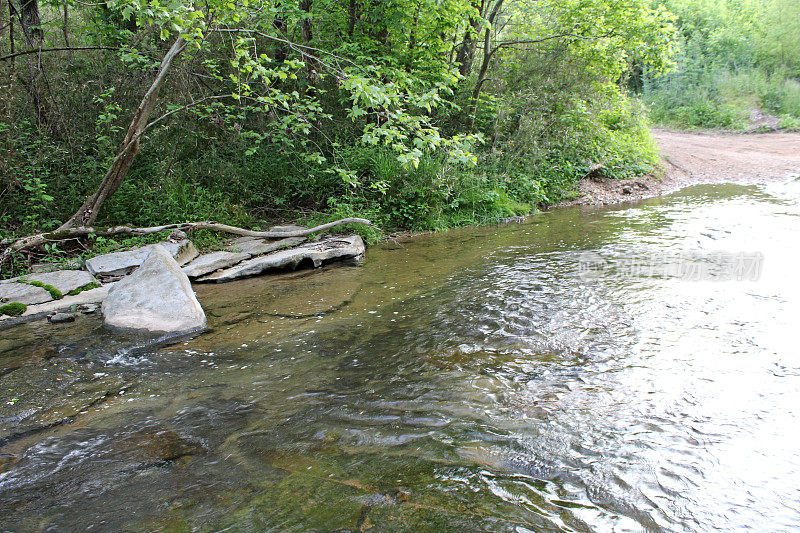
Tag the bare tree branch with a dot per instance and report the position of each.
(35, 241)
(503, 44)
(59, 49)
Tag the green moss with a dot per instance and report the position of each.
(13, 309)
(88, 286)
(54, 293)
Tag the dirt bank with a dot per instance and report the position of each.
(695, 158)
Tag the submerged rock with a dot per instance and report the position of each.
(313, 254)
(151, 446)
(213, 261)
(61, 318)
(43, 394)
(157, 298)
(7, 460)
(123, 263)
(88, 308)
(256, 246)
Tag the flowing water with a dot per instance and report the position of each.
(630, 368)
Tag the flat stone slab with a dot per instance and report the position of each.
(214, 261)
(22, 293)
(71, 264)
(157, 298)
(257, 246)
(63, 280)
(41, 310)
(123, 263)
(316, 253)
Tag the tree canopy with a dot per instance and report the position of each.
(418, 113)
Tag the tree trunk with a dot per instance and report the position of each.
(376, 23)
(352, 16)
(412, 39)
(65, 29)
(31, 23)
(465, 56)
(36, 241)
(487, 57)
(86, 215)
(11, 14)
(305, 25)
(281, 48)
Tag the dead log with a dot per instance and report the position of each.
(595, 172)
(35, 241)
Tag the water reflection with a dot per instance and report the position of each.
(476, 380)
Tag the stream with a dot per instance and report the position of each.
(593, 369)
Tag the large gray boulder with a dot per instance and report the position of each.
(314, 254)
(123, 263)
(157, 298)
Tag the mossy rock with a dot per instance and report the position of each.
(54, 293)
(13, 309)
(87, 287)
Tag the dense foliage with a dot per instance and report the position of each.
(419, 114)
(738, 61)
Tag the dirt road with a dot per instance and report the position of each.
(694, 158)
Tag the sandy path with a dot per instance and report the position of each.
(694, 158)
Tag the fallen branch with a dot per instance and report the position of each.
(60, 49)
(35, 241)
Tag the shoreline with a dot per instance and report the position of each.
(688, 158)
(699, 158)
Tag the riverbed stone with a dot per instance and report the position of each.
(313, 254)
(61, 318)
(256, 246)
(208, 263)
(156, 298)
(23, 293)
(123, 263)
(88, 309)
(63, 280)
